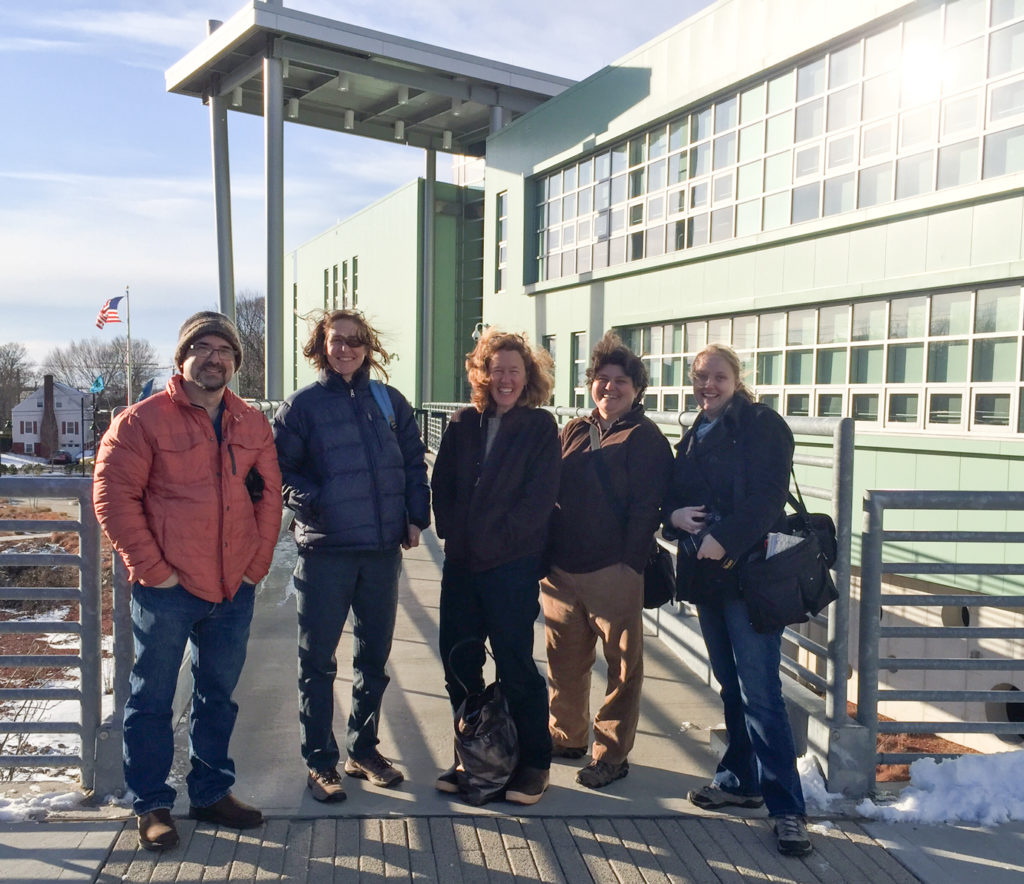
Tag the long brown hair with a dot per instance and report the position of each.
(539, 368)
(732, 358)
(315, 349)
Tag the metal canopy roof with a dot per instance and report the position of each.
(342, 77)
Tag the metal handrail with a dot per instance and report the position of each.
(88, 629)
(873, 601)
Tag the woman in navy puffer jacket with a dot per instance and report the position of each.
(356, 478)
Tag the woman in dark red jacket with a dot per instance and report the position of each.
(494, 486)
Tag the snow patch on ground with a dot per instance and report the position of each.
(983, 789)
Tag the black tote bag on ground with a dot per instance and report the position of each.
(486, 741)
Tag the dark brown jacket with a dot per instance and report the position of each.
(590, 532)
(494, 511)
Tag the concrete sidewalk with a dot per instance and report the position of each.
(640, 828)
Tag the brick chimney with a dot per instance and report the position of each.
(48, 439)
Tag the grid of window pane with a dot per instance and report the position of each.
(950, 360)
(930, 102)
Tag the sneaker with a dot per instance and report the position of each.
(375, 768)
(156, 830)
(527, 785)
(568, 751)
(791, 835)
(325, 784)
(228, 812)
(710, 797)
(449, 780)
(598, 774)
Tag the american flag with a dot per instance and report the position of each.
(108, 312)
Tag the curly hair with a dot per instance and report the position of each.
(611, 351)
(539, 368)
(732, 358)
(315, 349)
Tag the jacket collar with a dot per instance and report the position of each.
(331, 380)
(233, 404)
(630, 418)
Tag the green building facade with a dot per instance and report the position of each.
(834, 189)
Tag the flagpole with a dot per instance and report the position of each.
(128, 328)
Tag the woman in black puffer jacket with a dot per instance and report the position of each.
(354, 474)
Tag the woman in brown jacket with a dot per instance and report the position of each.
(615, 468)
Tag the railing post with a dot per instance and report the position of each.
(90, 618)
(870, 605)
(109, 766)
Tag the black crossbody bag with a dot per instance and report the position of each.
(795, 583)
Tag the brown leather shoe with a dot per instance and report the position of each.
(229, 812)
(156, 830)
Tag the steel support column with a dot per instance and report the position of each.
(222, 203)
(273, 117)
(427, 302)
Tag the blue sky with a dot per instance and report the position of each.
(105, 178)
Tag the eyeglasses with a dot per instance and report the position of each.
(205, 351)
(350, 341)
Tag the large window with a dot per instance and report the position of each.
(931, 102)
(501, 242)
(951, 361)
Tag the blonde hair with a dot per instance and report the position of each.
(539, 368)
(315, 349)
(732, 359)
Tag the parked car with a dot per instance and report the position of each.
(63, 457)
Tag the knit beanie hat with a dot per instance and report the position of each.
(207, 322)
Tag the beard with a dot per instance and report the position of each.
(210, 379)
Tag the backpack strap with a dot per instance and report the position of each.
(384, 403)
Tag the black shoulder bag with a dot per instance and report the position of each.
(659, 574)
(789, 585)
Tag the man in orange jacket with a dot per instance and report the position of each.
(188, 490)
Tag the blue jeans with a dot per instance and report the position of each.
(761, 758)
(502, 605)
(328, 586)
(163, 622)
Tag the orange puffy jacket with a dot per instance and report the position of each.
(170, 498)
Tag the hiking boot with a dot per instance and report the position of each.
(710, 797)
(449, 780)
(156, 830)
(325, 784)
(375, 768)
(228, 812)
(527, 785)
(567, 751)
(598, 774)
(791, 835)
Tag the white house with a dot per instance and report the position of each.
(69, 409)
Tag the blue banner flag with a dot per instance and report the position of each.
(147, 390)
(97, 385)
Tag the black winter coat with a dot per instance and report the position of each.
(739, 471)
(494, 511)
(351, 480)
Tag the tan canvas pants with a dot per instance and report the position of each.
(579, 609)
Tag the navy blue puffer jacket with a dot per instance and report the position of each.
(351, 480)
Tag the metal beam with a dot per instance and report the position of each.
(427, 315)
(340, 62)
(222, 203)
(273, 115)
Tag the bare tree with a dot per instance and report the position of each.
(80, 362)
(15, 376)
(250, 317)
